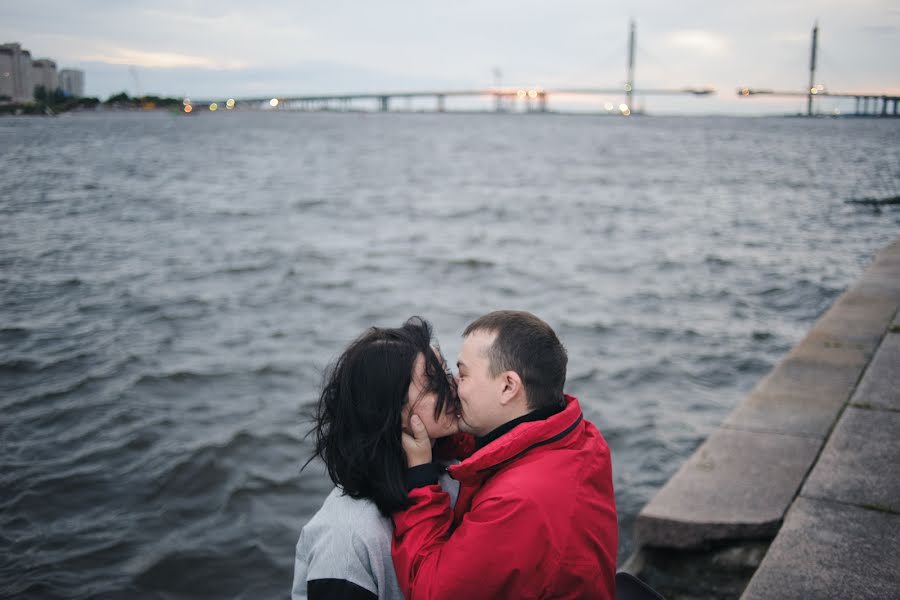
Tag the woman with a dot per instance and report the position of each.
(344, 551)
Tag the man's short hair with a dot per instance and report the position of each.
(527, 345)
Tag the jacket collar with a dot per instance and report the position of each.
(536, 415)
(523, 438)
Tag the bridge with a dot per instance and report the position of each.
(879, 105)
(866, 103)
(533, 99)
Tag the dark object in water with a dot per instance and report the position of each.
(892, 200)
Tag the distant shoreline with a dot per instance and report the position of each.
(32, 110)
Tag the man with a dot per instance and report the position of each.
(535, 516)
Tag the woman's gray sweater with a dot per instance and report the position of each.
(348, 540)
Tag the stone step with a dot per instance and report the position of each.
(739, 484)
(830, 550)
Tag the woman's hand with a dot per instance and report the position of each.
(417, 444)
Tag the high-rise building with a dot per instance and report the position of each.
(6, 74)
(71, 82)
(16, 73)
(43, 73)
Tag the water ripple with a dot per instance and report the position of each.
(168, 308)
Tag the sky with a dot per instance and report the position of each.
(231, 48)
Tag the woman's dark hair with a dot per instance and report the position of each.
(357, 421)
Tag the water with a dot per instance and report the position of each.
(173, 286)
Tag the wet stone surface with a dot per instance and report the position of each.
(859, 462)
(880, 388)
(830, 550)
(799, 397)
(738, 484)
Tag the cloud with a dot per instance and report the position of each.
(158, 60)
(703, 41)
(793, 37)
(881, 29)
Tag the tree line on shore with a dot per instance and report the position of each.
(47, 102)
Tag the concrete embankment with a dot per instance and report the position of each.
(796, 494)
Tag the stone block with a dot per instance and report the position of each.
(880, 281)
(859, 316)
(798, 397)
(883, 275)
(890, 253)
(886, 263)
(880, 386)
(859, 462)
(821, 347)
(830, 550)
(737, 485)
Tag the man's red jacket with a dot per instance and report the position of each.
(535, 518)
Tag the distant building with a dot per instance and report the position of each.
(16, 80)
(7, 90)
(43, 72)
(71, 82)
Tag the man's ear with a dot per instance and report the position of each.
(512, 387)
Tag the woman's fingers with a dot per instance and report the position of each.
(418, 429)
(416, 445)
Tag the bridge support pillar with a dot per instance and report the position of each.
(542, 101)
(441, 107)
(884, 102)
(385, 102)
